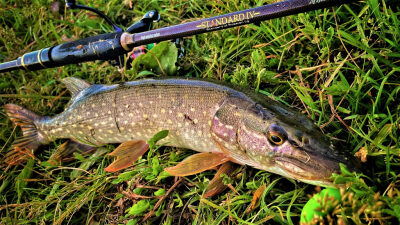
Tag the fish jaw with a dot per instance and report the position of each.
(304, 156)
(289, 159)
(303, 153)
(307, 165)
(307, 155)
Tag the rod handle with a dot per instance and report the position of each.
(100, 47)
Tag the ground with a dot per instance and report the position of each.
(339, 66)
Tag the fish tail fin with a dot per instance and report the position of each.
(24, 146)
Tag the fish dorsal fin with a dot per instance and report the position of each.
(75, 85)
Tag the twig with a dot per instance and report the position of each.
(23, 205)
(161, 200)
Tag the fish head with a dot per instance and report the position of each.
(277, 139)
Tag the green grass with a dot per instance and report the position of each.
(339, 66)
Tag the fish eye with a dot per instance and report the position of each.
(276, 135)
(275, 138)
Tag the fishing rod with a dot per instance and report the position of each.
(113, 46)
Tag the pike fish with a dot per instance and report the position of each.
(224, 124)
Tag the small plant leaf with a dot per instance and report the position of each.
(138, 208)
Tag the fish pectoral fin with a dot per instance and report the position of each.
(198, 163)
(217, 185)
(256, 198)
(66, 150)
(127, 153)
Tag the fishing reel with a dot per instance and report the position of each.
(145, 24)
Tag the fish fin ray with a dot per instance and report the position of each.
(65, 152)
(198, 163)
(216, 185)
(75, 85)
(24, 147)
(127, 153)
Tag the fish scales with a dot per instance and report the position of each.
(138, 110)
(228, 123)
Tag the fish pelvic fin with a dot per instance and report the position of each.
(127, 153)
(24, 147)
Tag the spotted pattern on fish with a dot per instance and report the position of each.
(206, 117)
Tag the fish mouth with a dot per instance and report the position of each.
(314, 162)
(312, 168)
